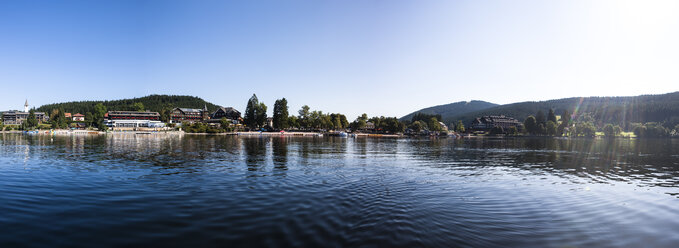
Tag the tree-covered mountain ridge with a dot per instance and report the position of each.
(451, 109)
(620, 110)
(155, 103)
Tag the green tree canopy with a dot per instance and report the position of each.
(98, 116)
(261, 115)
(540, 117)
(336, 121)
(293, 121)
(434, 124)
(586, 129)
(551, 128)
(360, 122)
(224, 123)
(388, 124)
(417, 126)
(152, 102)
(88, 119)
(31, 121)
(343, 120)
(496, 130)
(252, 115)
(280, 114)
(608, 130)
(565, 122)
(650, 129)
(459, 127)
(249, 118)
(425, 117)
(58, 119)
(165, 114)
(551, 116)
(138, 106)
(304, 115)
(531, 125)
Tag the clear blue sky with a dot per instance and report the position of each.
(378, 57)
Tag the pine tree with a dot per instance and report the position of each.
(531, 125)
(261, 114)
(304, 116)
(551, 116)
(540, 117)
(99, 112)
(31, 122)
(459, 127)
(250, 118)
(280, 114)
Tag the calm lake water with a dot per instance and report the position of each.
(195, 191)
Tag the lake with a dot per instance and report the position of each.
(217, 191)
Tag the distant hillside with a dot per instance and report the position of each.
(616, 110)
(156, 103)
(452, 109)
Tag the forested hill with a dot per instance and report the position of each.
(451, 109)
(601, 110)
(155, 103)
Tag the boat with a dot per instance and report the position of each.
(32, 132)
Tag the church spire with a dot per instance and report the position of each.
(26, 106)
(204, 113)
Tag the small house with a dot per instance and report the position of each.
(78, 117)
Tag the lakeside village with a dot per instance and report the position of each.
(228, 120)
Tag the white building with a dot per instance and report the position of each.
(134, 123)
(78, 117)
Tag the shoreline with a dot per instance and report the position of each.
(86, 132)
(296, 134)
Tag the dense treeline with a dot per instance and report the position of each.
(256, 117)
(584, 125)
(58, 119)
(621, 111)
(422, 122)
(549, 125)
(654, 130)
(156, 103)
(387, 124)
(199, 127)
(312, 120)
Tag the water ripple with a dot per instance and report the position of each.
(332, 192)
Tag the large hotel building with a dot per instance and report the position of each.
(16, 117)
(133, 119)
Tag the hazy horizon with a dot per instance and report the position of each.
(375, 57)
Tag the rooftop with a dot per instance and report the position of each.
(190, 110)
(137, 113)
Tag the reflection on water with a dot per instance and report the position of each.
(279, 147)
(160, 190)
